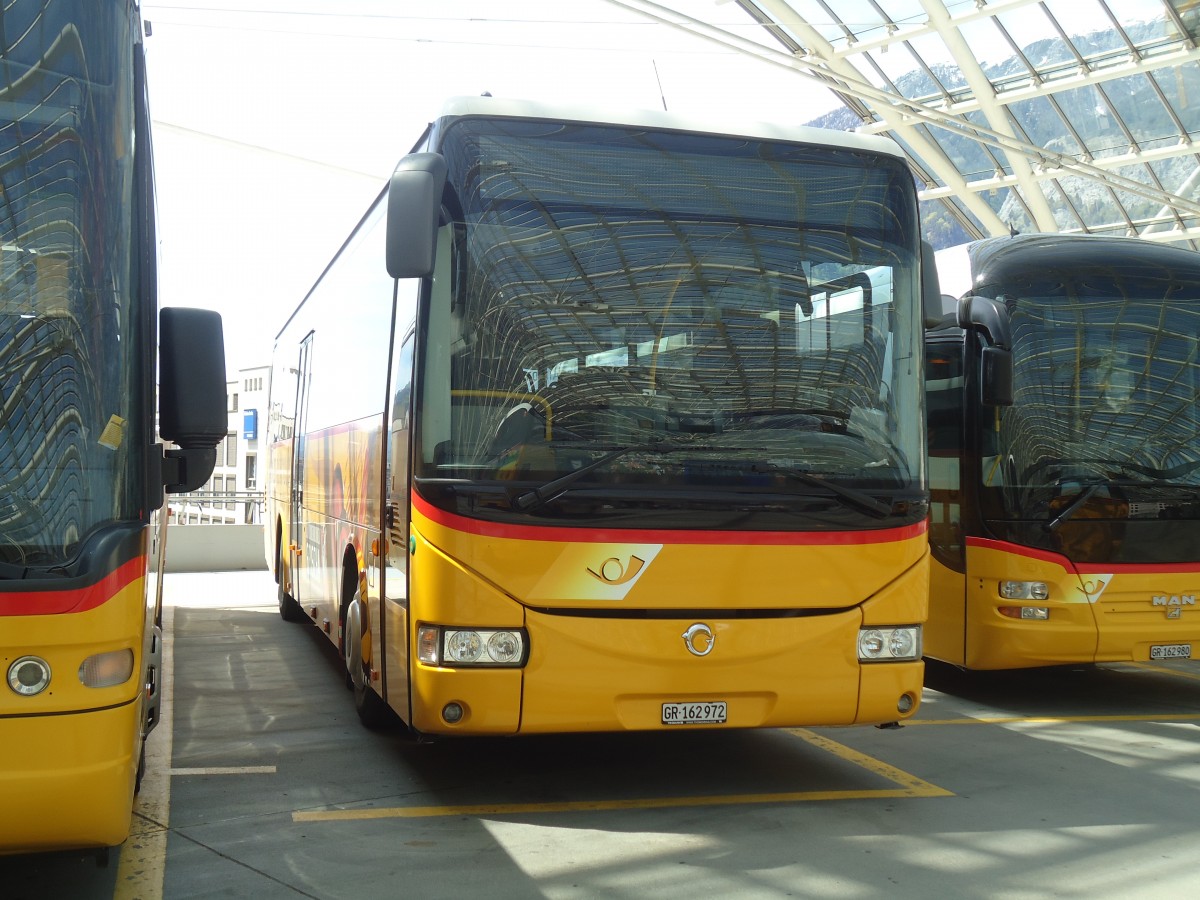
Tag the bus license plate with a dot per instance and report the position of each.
(707, 712)
(1171, 651)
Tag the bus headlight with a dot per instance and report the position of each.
(463, 647)
(1024, 590)
(106, 669)
(29, 675)
(889, 644)
(439, 645)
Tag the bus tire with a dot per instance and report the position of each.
(371, 709)
(289, 609)
(141, 770)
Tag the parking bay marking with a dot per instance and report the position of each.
(1044, 720)
(225, 770)
(1163, 670)
(907, 785)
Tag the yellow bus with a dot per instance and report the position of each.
(81, 474)
(1065, 527)
(610, 422)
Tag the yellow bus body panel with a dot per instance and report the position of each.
(68, 780)
(946, 627)
(793, 662)
(996, 641)
(1097, 613)
(582, 572)
(71, 752)
(1137, 608)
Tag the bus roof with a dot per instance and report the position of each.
(961, 268)
(493, 107)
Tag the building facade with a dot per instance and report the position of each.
(233, 495)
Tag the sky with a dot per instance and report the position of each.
(277, 123)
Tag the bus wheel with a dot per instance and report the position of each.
(289, 609)
(371, 709)
(141, 770)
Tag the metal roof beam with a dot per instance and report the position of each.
(839, 76)
(1142, 66)
(1104, 163)
(996, 115)
(900, 111)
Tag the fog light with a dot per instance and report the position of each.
(452, 713)
(1036, 613)
(106, 669)
(905, 704)
(1024, 590)
(29, 675)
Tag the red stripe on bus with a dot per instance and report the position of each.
(50, 603)
(1192, 568)
(664, 536)
(1019, 550)
(1113, 568)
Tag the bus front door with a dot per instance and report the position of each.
(296, 525)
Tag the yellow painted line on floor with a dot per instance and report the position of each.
(517, 809)
(1163, 670)
(226, 770)
(1051, 720)
(912, 785)
(143, 863)
(907, 786)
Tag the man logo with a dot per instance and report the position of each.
(612, 572)
(699, 640)
(1174, 603)
(1174, 600)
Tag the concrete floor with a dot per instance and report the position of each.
(1060, 783)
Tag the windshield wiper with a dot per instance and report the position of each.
(1075, 505)
(552, 490)
(860, 499)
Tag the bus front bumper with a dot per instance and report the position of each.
(611, 674)
(68, 779)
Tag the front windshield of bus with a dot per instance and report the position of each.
(1106, 411)
(67, 341)
(683, 315)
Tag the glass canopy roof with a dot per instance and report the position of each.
(1017, 115)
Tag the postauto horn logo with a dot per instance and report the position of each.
(603, 572)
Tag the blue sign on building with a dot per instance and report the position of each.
(250, 424)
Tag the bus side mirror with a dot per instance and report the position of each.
(989, 318)
(414, 203)
(191, 400)
(931, 291)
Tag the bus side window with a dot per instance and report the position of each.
(944, 406)
(943, 399)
